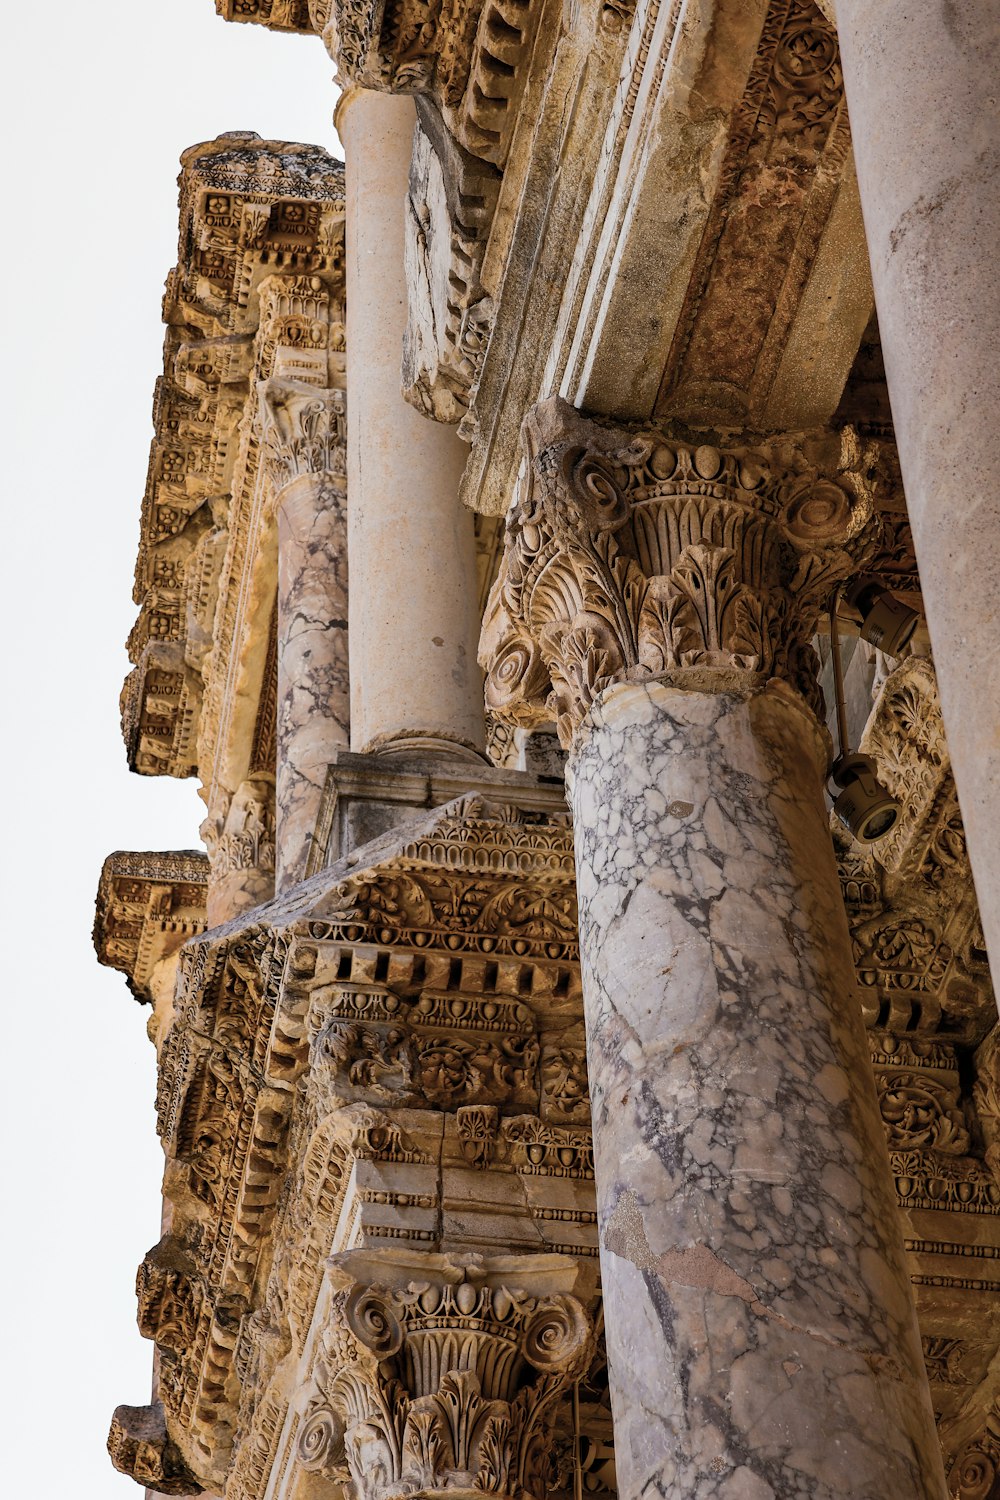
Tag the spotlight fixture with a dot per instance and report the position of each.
(863, 805)
(886, 622)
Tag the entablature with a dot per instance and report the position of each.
(257, 292)
(148, 906)
(419, 1010)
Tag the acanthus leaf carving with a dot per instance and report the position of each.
(636, 554)
(304, 430)
(444, 1372)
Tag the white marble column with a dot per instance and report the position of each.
(303, 429)
(762, 1336)
(761, 1332)
(923, 90)
(414, 624)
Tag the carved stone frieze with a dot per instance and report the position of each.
(633, 554)
(442, 1372)
(469, 56)
(779, 181)
(910, 898)
(363, 1065)
(914, 930)
(242, 850)
(279, 15)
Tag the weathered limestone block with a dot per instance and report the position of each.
(139, 1446)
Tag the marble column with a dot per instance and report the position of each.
(414, 622)
(923, 89)
(761, 1331)
(303, 429)
(757, 1300)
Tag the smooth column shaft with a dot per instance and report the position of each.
(761, 1333)
(923, 89)
(414, 621)
(313, 709)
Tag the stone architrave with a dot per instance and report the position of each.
(657, 598)
(921, 86)
(304, 434)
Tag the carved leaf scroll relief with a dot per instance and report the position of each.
(634, 554)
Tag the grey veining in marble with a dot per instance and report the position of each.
(313, 709)
(761, 1331)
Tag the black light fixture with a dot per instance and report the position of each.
(886, 622)
(863, 805)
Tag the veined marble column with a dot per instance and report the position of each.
(303, 431)
(761, 1332)
(923, 89)
(414, 625)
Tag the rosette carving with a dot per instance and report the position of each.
(444, 1373)
(976, 1471)
(632, 555)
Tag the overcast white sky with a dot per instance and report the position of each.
(99, 100)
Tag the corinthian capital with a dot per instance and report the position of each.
(635, 554)
(444, 1372)
(303, 430)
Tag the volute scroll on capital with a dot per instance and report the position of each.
(303, 431)
(641, 553)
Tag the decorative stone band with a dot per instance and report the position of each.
(444, 1372)
(632, 554)
(303, 430)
